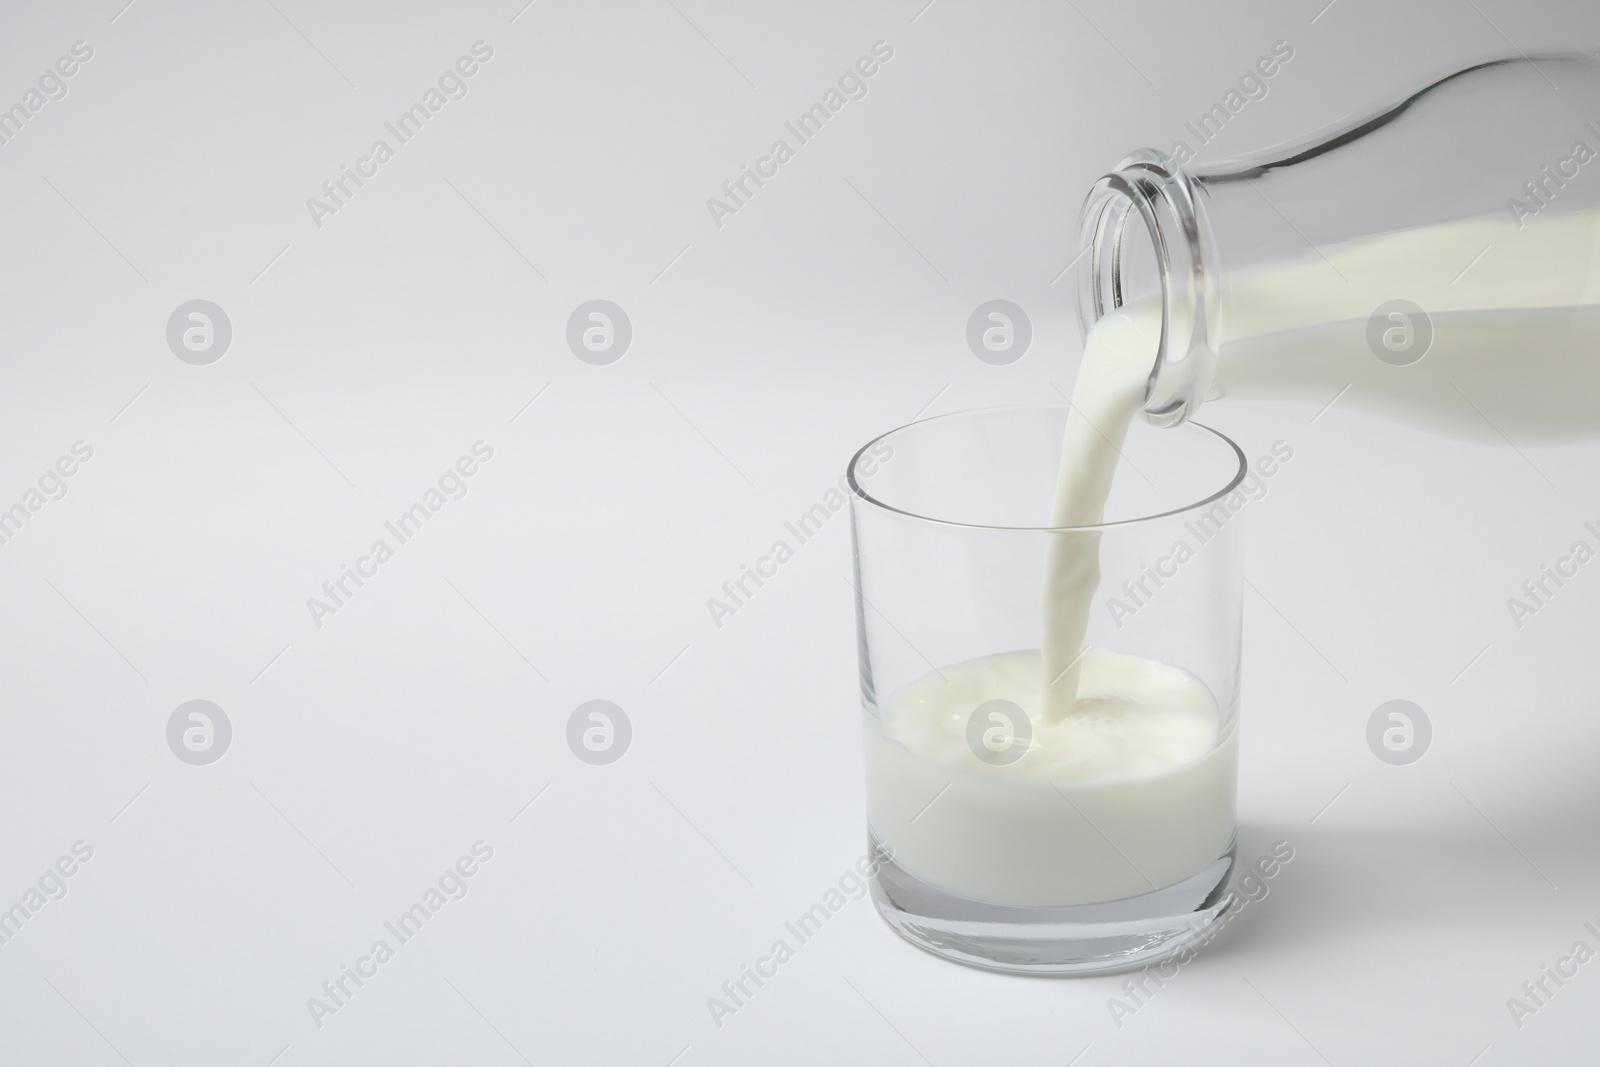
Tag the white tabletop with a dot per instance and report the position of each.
(377, 741)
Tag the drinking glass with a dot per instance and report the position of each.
(987, 855)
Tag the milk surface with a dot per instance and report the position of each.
(1131, 793)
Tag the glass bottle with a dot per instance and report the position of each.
(1439, 261)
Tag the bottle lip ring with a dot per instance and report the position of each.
(1165, 199)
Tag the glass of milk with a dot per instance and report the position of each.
(1018, 832)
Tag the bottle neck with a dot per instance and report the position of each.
(1143, 227)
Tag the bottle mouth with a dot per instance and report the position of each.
(1149, 197)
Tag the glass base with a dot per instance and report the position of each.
(1118, 935)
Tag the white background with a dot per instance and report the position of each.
(372, 351)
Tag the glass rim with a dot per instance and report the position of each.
(1238, 478)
